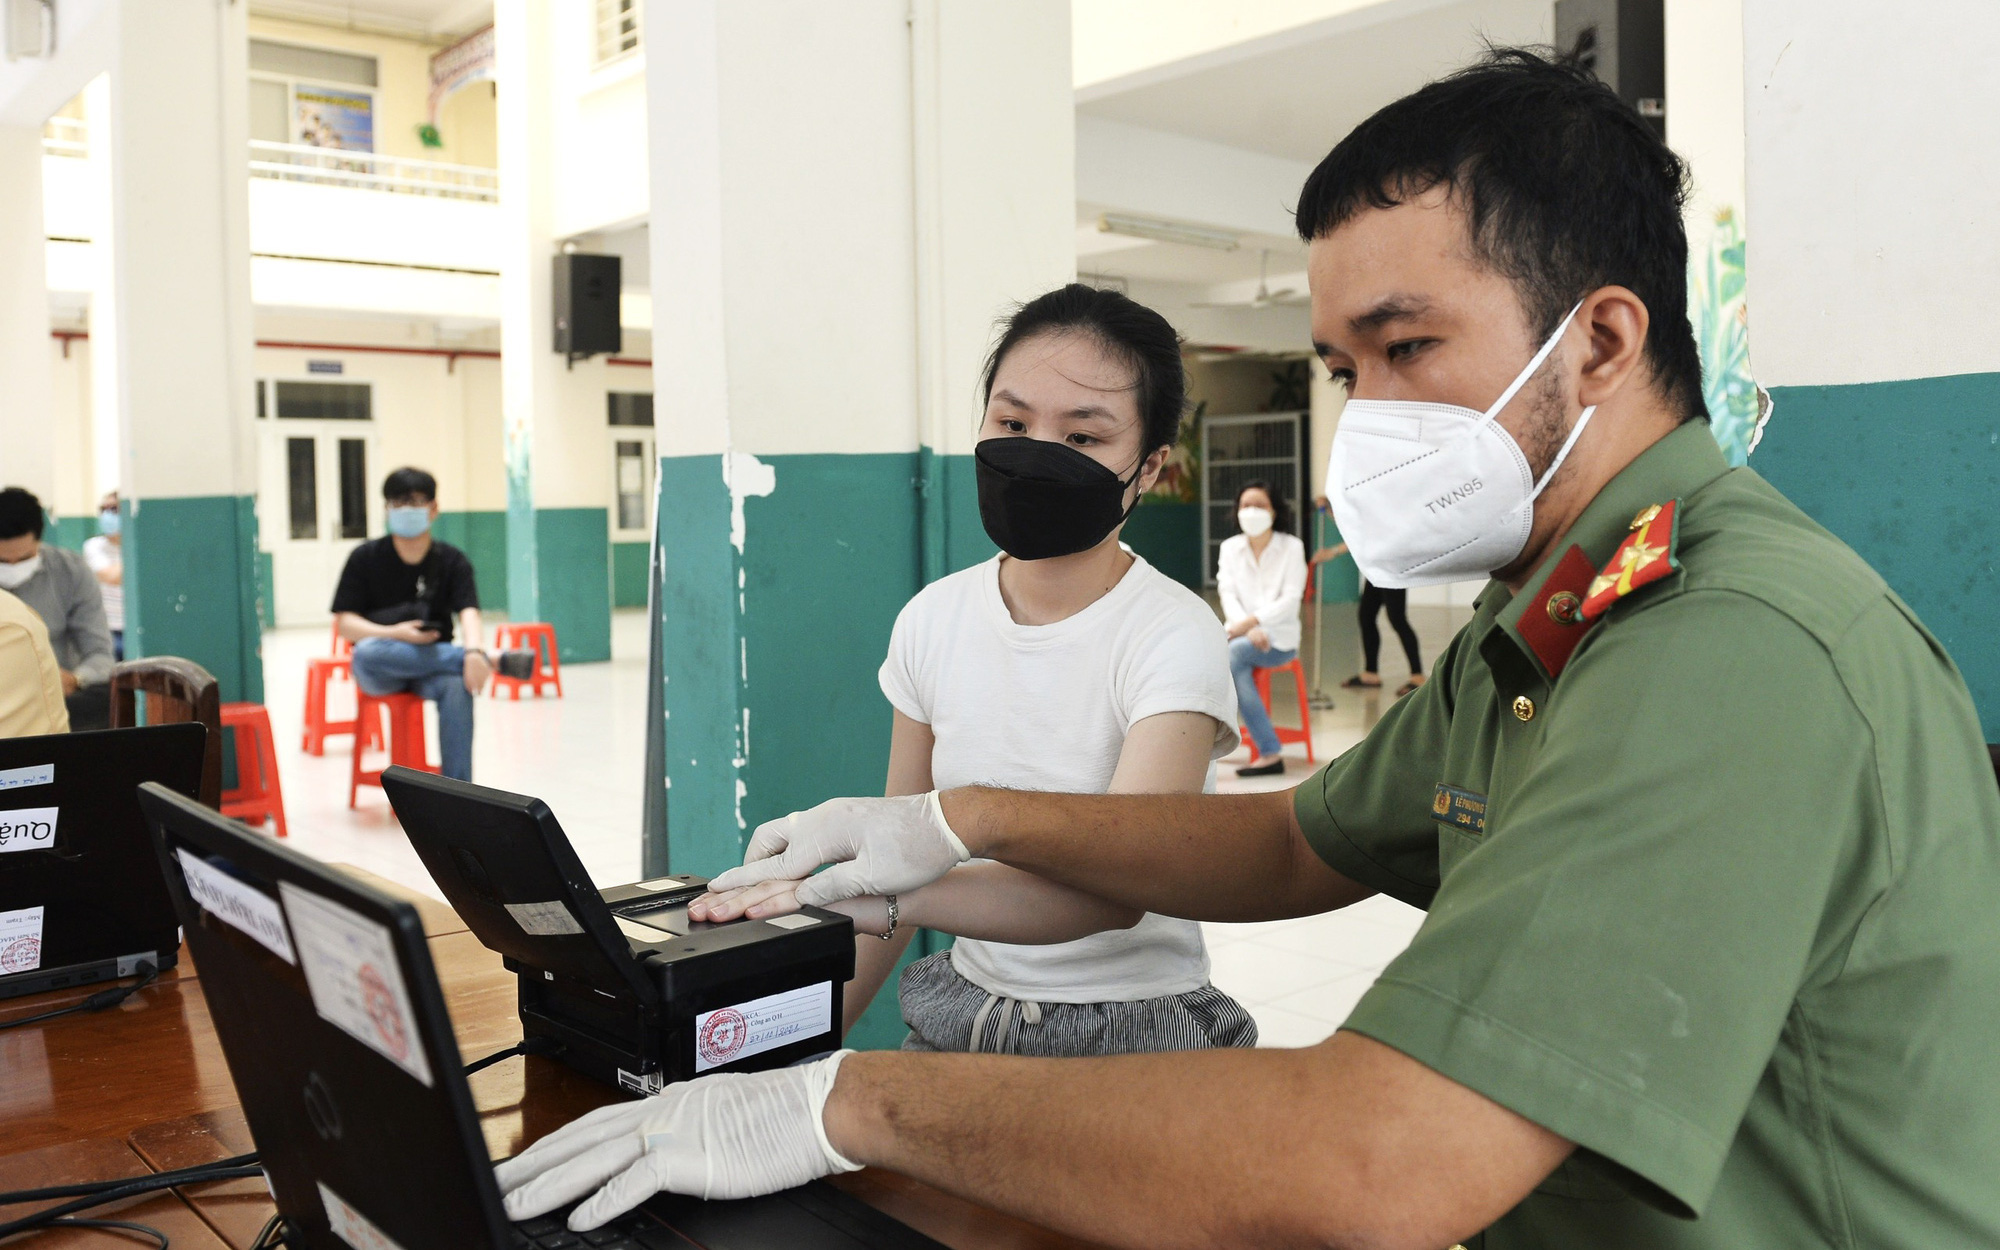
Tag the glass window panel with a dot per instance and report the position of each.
(631, 479)
(353, 488)
(270, 111)
(325, 401)
(630, 408)
(321, 64)
(302, 485)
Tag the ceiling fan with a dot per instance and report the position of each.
(1265, 296)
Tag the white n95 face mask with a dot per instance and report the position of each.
(1426, 493)
(13, 576)
(1254, 521)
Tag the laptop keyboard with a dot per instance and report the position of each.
(628, 1232)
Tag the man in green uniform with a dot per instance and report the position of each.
(1700, 813)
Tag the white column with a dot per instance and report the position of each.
(843, 199)
(172, 330)
(558, 468)
(27, 400)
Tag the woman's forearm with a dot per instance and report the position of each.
(995, 903)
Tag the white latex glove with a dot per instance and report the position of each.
(736, 1135)
(876, 846)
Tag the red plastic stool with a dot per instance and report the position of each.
(319, 674)
(536, 636)
(1305, 735)
(404, 739)
(257, 796)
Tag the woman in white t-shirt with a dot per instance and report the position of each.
(1261, 577)
(1066, 663)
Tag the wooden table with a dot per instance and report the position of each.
(106, 1094)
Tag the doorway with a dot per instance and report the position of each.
(316, 502)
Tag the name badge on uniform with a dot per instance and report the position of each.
(1461, 809)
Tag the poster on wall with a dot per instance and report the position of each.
(326, 117)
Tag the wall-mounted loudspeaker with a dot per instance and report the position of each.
(585, 293)
(1623, 42)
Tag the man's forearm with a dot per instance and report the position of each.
(1200, 856)
(1346, 1143)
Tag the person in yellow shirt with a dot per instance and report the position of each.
(31, 691)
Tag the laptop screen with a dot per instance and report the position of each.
(336, 1034)
(79, 882)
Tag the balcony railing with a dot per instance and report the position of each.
(66, 136)
(333, 167)
(338, 167)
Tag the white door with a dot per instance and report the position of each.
(316, 502)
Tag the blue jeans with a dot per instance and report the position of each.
(1244, 661)
(434, 670)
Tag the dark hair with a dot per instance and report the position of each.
(1281, 511)
(405, 482)
(20, 513)
(1564, 186)
(1122, 326)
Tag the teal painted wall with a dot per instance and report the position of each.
(769, 656)
(952, 537)
(267, 605)
(1908, 474)
(628, 574)
(482, 536)
(70, 531)
(1168, 535)
(701, 660)
(573, 564)
(191, 587)
(1338, 580)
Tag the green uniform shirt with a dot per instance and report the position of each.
(1720, 903)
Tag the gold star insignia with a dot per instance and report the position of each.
(1640, 554)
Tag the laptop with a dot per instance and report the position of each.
(81, 900)
(335, 1030)
(626, 988)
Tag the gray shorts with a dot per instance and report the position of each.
(947, 1012)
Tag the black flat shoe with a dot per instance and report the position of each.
(1272, 769)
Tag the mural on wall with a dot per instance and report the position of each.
(1737, 406)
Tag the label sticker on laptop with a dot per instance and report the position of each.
(550, 919)
(28, 829)
(352, 975)
(237, 904)
(351, 1226)
(728, 1034)
(20, 940)
(793, 921)
(32, 775)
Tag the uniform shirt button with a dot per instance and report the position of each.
(1524, 707)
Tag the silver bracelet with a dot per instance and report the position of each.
(894, 915)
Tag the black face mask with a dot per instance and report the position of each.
(1039, 499)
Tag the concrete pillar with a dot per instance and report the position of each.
(27, 400)
(172, 330)
(1875, 263)
(843, 199)
(558, 527)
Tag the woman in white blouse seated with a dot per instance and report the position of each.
(1262, 577)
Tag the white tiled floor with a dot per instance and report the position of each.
(583, 754)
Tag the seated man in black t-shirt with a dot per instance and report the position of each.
(395, 603)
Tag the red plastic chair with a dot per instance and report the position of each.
(1305, 735)
(536, 636)
(404, 737)
(257, 797)
(319, 674)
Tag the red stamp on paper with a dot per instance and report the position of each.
(723, 1036)
(23, 955)
(384, 1011)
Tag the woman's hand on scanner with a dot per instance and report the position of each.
(870, 913)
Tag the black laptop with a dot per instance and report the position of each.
(624, 986)
(335, 1030)
(81, 900)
